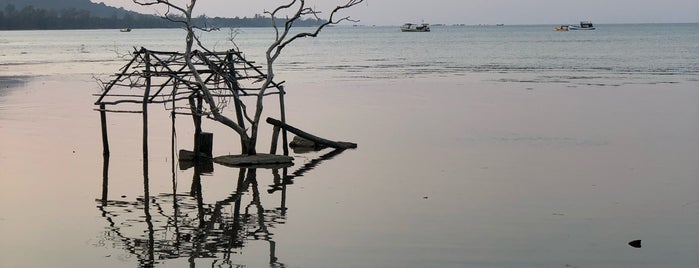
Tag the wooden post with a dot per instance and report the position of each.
(285, 141)
(275, 137)
(146, 96)
(173, 135)
(206, 144)
(103, 120)
(196, 116)
(146, 180)
(199, 111)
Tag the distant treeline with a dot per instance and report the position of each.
(30, 18)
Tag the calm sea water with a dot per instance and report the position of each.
(613, 54)
(512, 146)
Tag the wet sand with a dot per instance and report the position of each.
(456, 172)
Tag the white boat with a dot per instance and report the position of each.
(562, 28)
(411, 27)
(125, 30)
(584, 25)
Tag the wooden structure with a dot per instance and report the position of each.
(156, 77)
(192, 228)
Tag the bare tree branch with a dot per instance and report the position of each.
(283, 37)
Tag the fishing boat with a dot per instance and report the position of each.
(411, 27)
(125, 30)
(584, 25)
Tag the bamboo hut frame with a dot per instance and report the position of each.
(158, 77)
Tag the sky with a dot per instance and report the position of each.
(396, 12)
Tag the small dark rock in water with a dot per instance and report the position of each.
(425, 197)
(635, 243)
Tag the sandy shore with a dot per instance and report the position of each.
(450, 172)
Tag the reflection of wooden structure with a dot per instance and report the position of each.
(172, 226)
(155, 77)
(166, 226)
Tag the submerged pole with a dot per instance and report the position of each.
(105, 179)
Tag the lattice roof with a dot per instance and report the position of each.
(163, 77)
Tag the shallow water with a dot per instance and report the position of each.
(468, 169)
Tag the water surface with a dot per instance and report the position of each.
(478, 147)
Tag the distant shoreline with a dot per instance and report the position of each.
(31, 18)
(174, 26)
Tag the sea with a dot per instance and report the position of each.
(478, 146)
(611, 55)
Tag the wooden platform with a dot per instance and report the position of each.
(258, 160)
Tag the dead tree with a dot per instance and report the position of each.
(298, 10)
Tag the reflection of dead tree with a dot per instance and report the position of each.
(298, 10)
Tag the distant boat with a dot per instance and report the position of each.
(411, 27)
(125, 30)
(562, 28)
(584, 25)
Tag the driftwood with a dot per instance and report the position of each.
(311, 137)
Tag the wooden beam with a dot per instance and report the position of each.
(316, 139)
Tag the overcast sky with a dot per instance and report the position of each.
(395, 12)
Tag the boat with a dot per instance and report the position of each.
(125, 30)
(562, 28)
(584, 25)
(411, 27)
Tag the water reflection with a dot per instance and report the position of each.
(167, 226)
